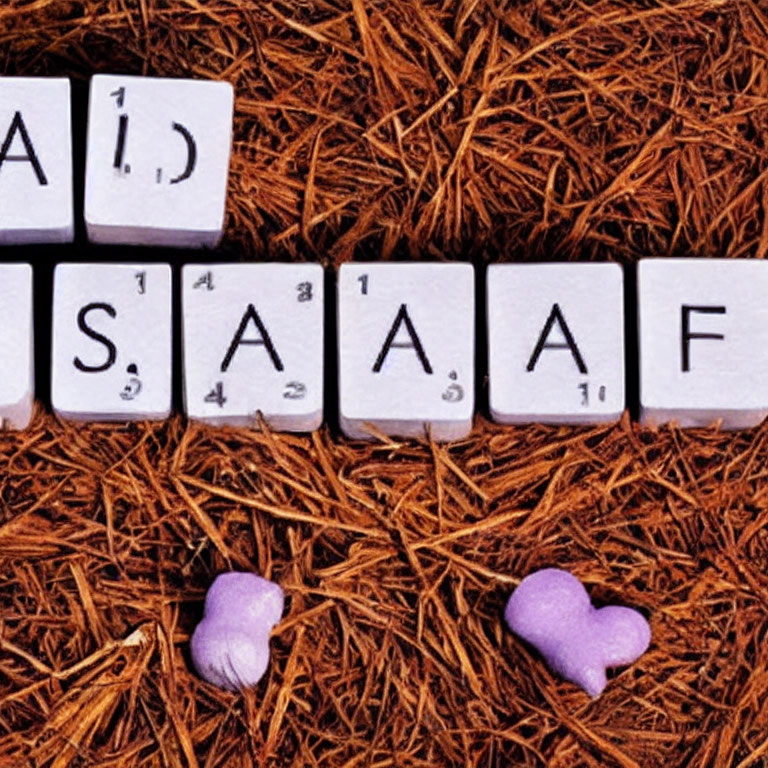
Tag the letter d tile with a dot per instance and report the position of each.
(157, 162)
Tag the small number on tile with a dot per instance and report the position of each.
(204, 281)
(216, 395)
(295, 390)
(133, 387)
(119, 95)
(305, 291)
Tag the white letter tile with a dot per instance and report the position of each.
(703, 328)
(157, 161)
(16, 350)
(111, 345)
(555, 343)
(406, 335)
(35, 161)
(253, 342)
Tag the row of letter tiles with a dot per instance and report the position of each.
(157, 160)
(252, 338)
(253, 346)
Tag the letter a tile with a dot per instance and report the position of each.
(556, 343)
(703, 328)
(157, 160)
(111, 342)
(253, 343)
(35, 161)
(16, 348)
(406, 349)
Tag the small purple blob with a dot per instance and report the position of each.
(552, 611)
(230, 646)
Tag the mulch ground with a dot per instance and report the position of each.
(415, 129)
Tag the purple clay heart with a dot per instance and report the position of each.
(230, 646)
(552, 611)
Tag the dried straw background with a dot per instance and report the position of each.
(409, 129)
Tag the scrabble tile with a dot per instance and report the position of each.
(555, 343)
(253, 342)
(406, 349)
(16, 349)
(111, 344)
(35, 161)
(703, 337)
(157, 160)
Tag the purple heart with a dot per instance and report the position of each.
(230, 646)
(552, 611)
